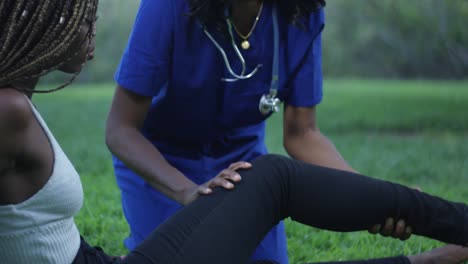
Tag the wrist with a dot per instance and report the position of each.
(185, 195)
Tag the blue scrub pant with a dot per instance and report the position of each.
(145, 209)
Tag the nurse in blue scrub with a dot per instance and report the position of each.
(196, 83)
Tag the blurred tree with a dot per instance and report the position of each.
(397, 38)
(362, 38)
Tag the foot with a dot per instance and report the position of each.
(449, 254)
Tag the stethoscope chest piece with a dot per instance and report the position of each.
(269, 103)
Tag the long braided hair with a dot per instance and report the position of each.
(36, 36)
(212, 11)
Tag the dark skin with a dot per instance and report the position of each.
(25, 153)
(244, 13)
(26, 161)
(302, 137)
(26, 156)
(126, 118)
(124, 139)
(302, 140)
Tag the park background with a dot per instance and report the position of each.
(395, 105)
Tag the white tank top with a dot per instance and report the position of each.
(41, 229)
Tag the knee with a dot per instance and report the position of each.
(274, 164)
(271, 159)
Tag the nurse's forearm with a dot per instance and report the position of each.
(313, 147)
(131, 147)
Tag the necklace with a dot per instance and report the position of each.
(245, 44)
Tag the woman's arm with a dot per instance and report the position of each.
(304, 141)
(125, 140)
(15, 119)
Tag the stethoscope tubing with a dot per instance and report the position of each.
(242, 75)
(268, 102)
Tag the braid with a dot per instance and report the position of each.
(66, 6)
(60, 87)
(11, 26)
(46, 52)
(38, 35)
(30, 42)
(25, 35)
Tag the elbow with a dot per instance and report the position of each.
(119, 137)
(290, 144)
(294, 142)
(110, 140)
(112, 135)
(292, 149)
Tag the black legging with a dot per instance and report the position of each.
(226, 226)
(391, 260)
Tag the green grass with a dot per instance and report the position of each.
(412, 132)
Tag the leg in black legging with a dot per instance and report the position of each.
(392, 260)
(225, 227)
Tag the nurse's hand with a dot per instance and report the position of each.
(226, 179)
(393, 229)
(397, 229)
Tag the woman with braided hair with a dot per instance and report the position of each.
(40, 191)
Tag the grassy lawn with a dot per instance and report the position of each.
(412, 132)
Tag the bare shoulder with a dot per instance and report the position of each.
(15, 113)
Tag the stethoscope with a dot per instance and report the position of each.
(269, 103)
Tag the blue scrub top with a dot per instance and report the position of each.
(198, 122)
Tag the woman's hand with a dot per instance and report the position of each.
(397, 230)
(227, 179)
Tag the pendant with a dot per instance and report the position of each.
(245, 44)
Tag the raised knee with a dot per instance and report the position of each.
(271, 159)
(274, 164)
